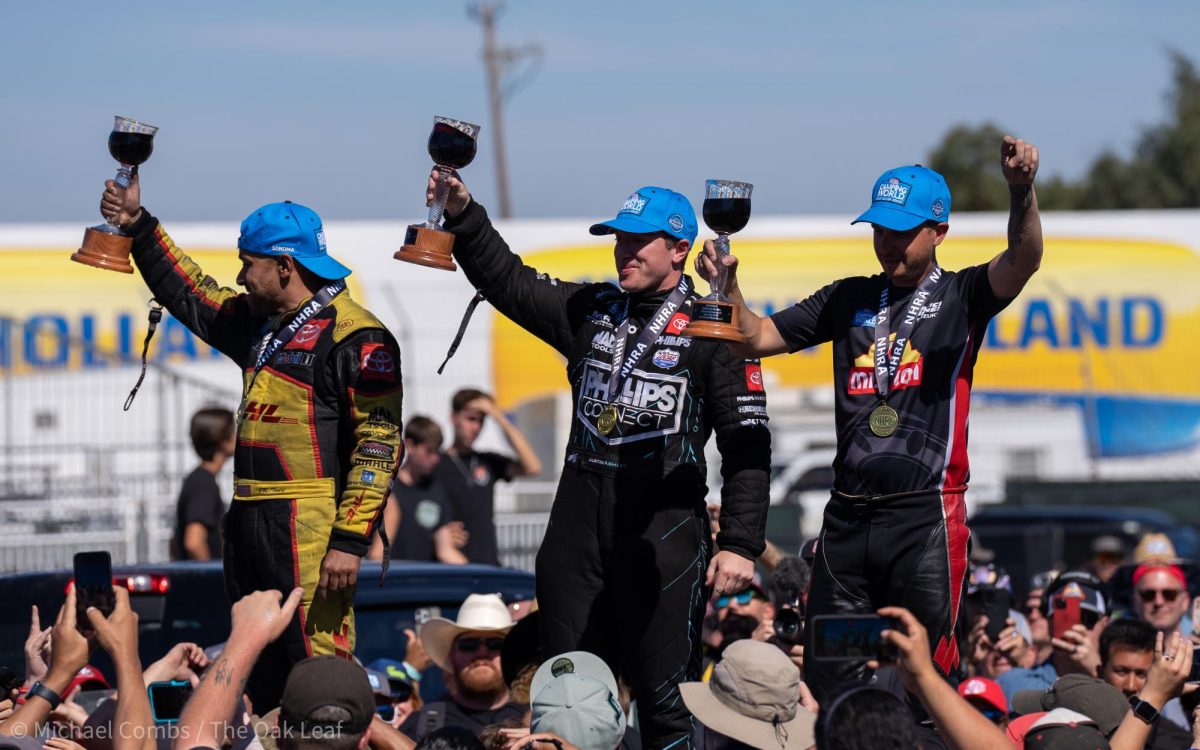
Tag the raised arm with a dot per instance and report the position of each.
(1009, 270)
(762, 337)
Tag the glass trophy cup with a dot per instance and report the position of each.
(726, 211)
(106, 246)
(452, 146)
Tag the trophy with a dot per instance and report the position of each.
(726, 210)
(106, 246)
(452, 146)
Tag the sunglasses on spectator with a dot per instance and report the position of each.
(1168, 595)
(743, 599)
(993, 714)
(471, 645)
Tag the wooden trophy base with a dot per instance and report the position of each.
(104, 250)
(712, 319)
(427, 247)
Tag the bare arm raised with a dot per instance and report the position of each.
(1009, 270)
(762, 337)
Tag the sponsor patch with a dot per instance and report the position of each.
(306, 337)
(562, 666)
(295, 358)
(1072, 591)
(974, 687)
(603, 341)
(376, 450)
(666, 358)
(343, 325)
(676, 341)
(864, 318)
(938, 208)
(265, 413)
(634, 204)
(282, 249)
(650, 403)
(547, 279)
(321, 238)
(754, 380)
(675, 222)
(677, 323)
(893, 191)
(862, 379)
(377, 362)
(368, 477)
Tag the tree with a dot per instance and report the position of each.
(1164, 171)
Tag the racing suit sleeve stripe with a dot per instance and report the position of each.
(373, 398)
(736, 408)
(535, 302)
(217, 315)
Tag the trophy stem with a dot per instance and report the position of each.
(717, 283)
(441, 193)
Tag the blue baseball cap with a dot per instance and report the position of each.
(906, 197)
(290, 229)
(653, 209)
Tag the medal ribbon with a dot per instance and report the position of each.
(887, 359)
(269, 345)
(654, 328)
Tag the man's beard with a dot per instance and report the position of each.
(481, 680)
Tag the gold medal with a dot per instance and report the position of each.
(884, 420)
(607, 421)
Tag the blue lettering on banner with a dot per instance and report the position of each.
(46, 341)
(1104, 323)
(52, 340)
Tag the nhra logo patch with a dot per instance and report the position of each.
(306, 337)
(893, 191)
(377, 362)
(634, 204)
(665, 358)
(650, 403)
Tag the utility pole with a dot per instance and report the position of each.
(498, 61)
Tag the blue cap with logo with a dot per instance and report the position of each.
(653, 209)
(290, 229)
(906, 197)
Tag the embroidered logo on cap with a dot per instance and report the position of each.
(675, 223)
(634, 204)
(974, 687)
(562, 666)
(938, 208)
(1072, 591)
(321, 238)
(893, 191)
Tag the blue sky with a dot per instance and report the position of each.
(330, 104)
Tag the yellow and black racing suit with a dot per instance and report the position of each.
(318, 438)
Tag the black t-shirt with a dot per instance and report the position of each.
(469, 480)
(423, 508)
(930, 389)
(199, 502)
(420, 723)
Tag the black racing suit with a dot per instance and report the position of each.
(621, 571)
(318, 438)
(895, 529)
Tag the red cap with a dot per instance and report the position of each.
(986, 690)
(88, 678)
(1017, 728)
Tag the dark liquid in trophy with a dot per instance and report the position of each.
(130, 148)
(726, 215)
(451, 147)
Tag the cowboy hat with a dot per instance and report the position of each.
(479, 612)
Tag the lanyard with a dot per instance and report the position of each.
(271, 341)
(655, 327)
(887, 359)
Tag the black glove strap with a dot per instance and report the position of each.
(41, 691)
(155, 317)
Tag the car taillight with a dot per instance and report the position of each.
(147, 584)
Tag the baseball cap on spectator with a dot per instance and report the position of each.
(1174, 571)
(323, 681)
(1107, 545)
(1016, 729)
(1090, 696)
(290, 229)
(1077, 584)
(400, 681)
(479, 612)
(985, 690)
(87, 678)
(1063, 729)
(653, 209)
(1043, 579)
(906, 197)
(574, 695)
(1154, 547)
(753, 696)
(380, 685)
(985, 576)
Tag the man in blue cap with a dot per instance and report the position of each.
(624, 570)
(318, 432)
(905, 343)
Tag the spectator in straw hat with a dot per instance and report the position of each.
(468, 651)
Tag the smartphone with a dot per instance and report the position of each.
(996, 604)
(1064, 614)
(1194, 675)
(852, 637)
(423, 615)
(9, 682)
(93, 587)
(167, 699)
